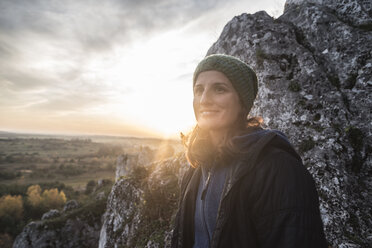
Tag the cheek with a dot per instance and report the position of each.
(235, 110)
(195, 106)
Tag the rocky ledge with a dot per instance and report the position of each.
(314, 65)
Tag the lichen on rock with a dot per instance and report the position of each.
(142, 204)
(314, 69)
(75, 226)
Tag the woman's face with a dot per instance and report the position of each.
(216, 102)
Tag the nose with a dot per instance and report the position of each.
(205, 98)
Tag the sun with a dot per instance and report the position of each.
(148, 87)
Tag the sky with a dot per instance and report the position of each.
(115, 67)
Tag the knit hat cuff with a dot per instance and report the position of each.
(242, 77)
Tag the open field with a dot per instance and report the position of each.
(72, 160)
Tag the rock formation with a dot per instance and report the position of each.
(74, 233)
(141, 205)
(72, 204)
(314, 65)
(144, 156)
(53, 213)
(75, 226)
(124, 165)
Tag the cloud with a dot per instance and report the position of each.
(20, 80)
(44, 44)
(97, 24)
(68, 101)
(7, 51)
(73, 57)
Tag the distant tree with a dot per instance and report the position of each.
(53, 199)
(9, 175)
(49, 199)
(33, 207)
(11, 206)
(13, 189)
(109, 150)
(90, 186)
(33, 195)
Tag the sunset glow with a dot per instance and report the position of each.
(99, 69)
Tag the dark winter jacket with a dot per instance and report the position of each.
(268, 199)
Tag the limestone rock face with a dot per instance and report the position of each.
(50, 214)
(125, 162)
(124, 165)
(72, 204)
(122, 217)
(74, 227)
(75, 233)
(357, 13)
(314, 65)
(145, 156)
(141, 205)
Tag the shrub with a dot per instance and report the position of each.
(12, 206)
(90, 186)
(8, 175)
(33, 195)
(49, 199)
(53, 199)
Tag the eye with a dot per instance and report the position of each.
(198, 90)
(219, 89)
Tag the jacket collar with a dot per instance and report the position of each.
(253, 144)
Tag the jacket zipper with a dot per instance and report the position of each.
(205, 188)
(204, 192)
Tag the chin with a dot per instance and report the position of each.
(209, 126)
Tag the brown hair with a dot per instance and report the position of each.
(199, 149)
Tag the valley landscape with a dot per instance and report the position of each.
(68, 168)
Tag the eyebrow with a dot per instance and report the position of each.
(221, 83)
(215, 83)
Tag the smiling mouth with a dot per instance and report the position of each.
(208, 112)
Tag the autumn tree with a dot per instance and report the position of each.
(33, 195)
(53, 199)
(11, 206)
(49, 199)
(11, 214)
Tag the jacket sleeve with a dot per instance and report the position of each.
(286, 209)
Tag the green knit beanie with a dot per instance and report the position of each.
(242, 77)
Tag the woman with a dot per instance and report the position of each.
(246, 186)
